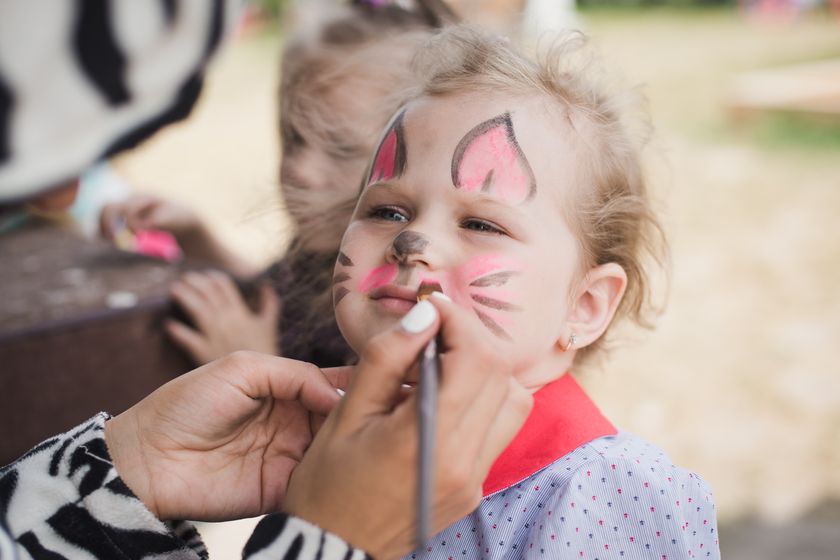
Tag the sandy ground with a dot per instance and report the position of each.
(740, 381)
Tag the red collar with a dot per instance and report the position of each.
(563, 418)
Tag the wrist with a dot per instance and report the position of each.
(124, 443)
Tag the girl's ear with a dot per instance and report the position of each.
(594, 306)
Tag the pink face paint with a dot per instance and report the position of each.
(484, 265)
(377, 277)
(390, 159)
(489, 159)
(477, 285)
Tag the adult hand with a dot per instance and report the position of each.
(358, 478)
(224, 322)
(221, 441)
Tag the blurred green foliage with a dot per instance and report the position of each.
(273, 9)
(650, 3)
(790, 130)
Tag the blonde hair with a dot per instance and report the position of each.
(614, 217)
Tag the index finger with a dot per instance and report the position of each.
(260, 375)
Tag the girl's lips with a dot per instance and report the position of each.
(397, 299)
(390, 291)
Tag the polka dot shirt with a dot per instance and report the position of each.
(613, 497)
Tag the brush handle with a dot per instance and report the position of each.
(427, 388)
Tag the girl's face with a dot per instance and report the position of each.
(468, 193)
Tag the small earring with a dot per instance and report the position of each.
(571, 344)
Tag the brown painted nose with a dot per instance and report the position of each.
(407, 244)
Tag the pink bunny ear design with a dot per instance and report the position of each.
(390, 157)
(489, 159)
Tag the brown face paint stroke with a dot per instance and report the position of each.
(409, 243)
(495, 303)
(495, 279)
(338, 294)
(403, 274)
(340, 291)
(513, 144)
(492, 325)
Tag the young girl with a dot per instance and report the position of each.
(518, 187)
(340, 84)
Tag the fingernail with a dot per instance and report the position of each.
(340, 392)
(441, 295)
(419, 318)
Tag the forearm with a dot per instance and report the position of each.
(65, 495)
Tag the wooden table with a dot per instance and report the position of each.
(80, 332)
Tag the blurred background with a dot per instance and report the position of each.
(740, 381)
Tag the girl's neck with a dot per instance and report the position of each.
(539, 374)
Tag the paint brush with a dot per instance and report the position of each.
(123, 237)
(427, 386)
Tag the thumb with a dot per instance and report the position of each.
(386, 361)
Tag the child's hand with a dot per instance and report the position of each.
(194, 236)
(144, 212)
(223, 321)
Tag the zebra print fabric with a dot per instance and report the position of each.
(65, 500)
(81, 80)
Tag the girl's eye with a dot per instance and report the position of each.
(482, 227)
(389, 214)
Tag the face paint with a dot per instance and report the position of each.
(491, 324)
(390, 159)
(481, 279)
(480, 269)
(409, 243)
(495, 303)
(495, 279)
(489, 159)
(378, 277)
(341, 276)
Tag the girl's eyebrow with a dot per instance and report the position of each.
(391, 185)
(395, 184)
(384, 184)
(490, 200)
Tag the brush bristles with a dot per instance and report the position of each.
(426, 289)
